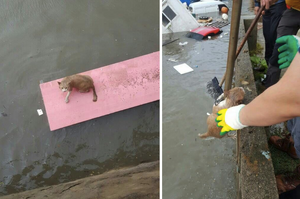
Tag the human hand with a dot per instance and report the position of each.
(267, 3)
(288, 50)
(256, 8)
(229, 120)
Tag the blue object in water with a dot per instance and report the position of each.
(188, 2)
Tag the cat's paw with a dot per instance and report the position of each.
(67, 101)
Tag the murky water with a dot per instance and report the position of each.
(193, 167)
(45, 40)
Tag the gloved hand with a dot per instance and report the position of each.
(229, 119)
(288, 50)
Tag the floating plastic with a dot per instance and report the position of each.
(183, 68)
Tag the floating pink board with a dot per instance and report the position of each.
(119, 86)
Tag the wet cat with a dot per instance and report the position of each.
(83, 83)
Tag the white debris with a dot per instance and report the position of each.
(183, 43)
(248, 89)
(224, 16)
(183, 68)
(266, 154)
(172, 60)
(40, 112)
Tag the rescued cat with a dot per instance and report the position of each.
(83, 83)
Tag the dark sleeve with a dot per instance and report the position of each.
(256, 3)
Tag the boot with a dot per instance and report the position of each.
(284, 144)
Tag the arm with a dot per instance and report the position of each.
(256, 8)
(278, 103)
(256, 3)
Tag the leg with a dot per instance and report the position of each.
(232, 134)
(267, 33)
(289, 185)
(67, 97)
(270, 23)
(288, 25)
(204, 135)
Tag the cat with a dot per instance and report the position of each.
(233, 97)
(83, 83)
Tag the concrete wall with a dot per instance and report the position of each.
(256, 179)
(141, 181)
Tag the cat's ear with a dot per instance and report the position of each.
(58, 83)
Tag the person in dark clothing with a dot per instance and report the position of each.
(289, 25)
(271, 18)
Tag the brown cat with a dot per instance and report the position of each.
(233, 97)
(83, 83)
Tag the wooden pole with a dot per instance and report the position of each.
(233, 39)
(254, 22)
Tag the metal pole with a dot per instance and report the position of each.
(234, 33)
(254, 22)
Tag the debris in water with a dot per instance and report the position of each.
(172, 60)
(4, 114)
(225, 16)
(209, 138)
(183, 68)
(183, 43)
(205, 19)
(40, 112)
(168, 42)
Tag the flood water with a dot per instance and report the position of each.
(46, 40)
(194, 168)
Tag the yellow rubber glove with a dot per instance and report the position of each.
(229, 119)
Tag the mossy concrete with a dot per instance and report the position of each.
(254, 163)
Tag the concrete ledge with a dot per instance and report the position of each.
(141, 181)
(255, 170)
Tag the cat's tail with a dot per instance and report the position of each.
(94, 94)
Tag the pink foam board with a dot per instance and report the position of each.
(119, 86)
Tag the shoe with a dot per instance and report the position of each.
(287, 183)
(284, 144)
